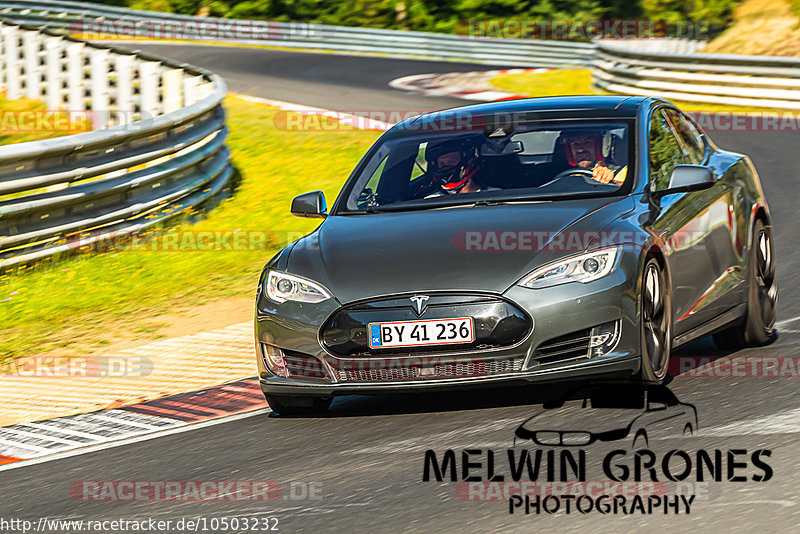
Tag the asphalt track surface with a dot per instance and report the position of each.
(366, 456)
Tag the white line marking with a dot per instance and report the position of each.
(11, 432)
(9, 445)
(360, 123)
(783, 423)
(65, 430)
(785, 504)
(779, 324)
(111, 419)
(135, 439)
(422, 444)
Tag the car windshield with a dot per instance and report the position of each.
(550, 161)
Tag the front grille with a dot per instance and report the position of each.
(568, 347)
(400, 369)
(303, 365)
(498, 323)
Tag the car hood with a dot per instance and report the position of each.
(362, 256)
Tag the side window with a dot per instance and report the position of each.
(665, 152)
(420, 164)
(691, 141)
(372, 184)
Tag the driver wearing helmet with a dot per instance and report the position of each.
(453, 166)
(585, 150)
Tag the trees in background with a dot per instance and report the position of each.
(444, 15)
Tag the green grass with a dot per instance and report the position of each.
(579, 82)
(88, 299)
(14, 127)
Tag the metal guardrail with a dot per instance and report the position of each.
(77, 16)
(764, 81)
(68, 192)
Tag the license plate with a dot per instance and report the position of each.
(419, 333)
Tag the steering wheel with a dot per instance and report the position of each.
(586, 174)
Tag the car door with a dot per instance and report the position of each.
(692, 225)
(726, 217)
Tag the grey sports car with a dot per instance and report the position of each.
(518, 241)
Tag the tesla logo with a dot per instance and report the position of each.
(419, 303)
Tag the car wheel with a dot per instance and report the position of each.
(298, 405)
(762, 296)
(656, 322)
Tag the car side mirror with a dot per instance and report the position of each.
(311, 205)
(686, 178)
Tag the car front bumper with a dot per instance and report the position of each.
(556, 312)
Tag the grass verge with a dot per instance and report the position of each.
(28, 120)
(93, 299)
(761, 27)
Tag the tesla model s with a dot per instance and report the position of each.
(515, 242)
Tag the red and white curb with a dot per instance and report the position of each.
(465, 85)
(27, 443)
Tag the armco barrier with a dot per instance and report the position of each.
(158, 153)
(642, 68)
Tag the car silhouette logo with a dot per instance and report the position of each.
(419, 303)
(610, 412)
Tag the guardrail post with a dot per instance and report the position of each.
(75, 60)
(11, 45)
(149, 82)
(54, 47)
(2, 58)
(190, 84)
(123, 65)
(171, 82)
(99, 87)
(31, 43)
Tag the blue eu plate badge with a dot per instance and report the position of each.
(375, 335)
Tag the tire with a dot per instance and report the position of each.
(298, 405)
(655, 323)
(762, 296)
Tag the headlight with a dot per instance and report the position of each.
(284, 286)
(583, 268)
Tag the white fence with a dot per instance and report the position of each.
(157, 153)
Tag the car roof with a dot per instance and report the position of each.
(546, 108)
